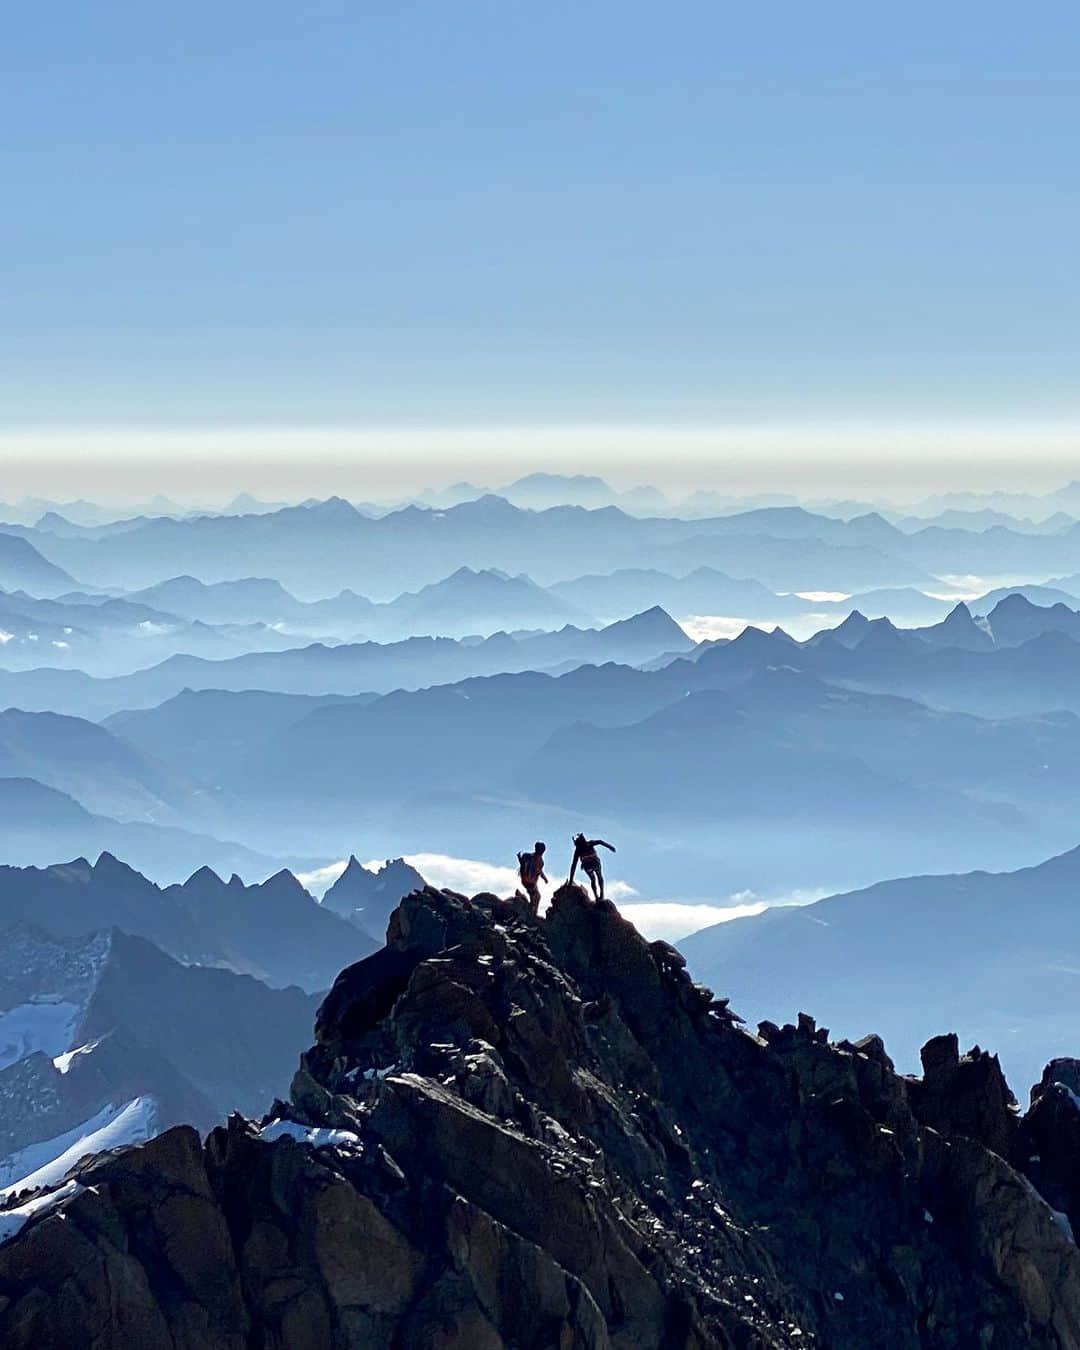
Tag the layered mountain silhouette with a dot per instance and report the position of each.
(102, 771)
(702, 591)
(38, 823)
(466, 602)
(315, 549)
(274, 930)
(991, 694)
(241, 601)
(484, 602)
(712, 754)
(205, 733)
(106, 635)
(541, 491)
(351, 668)
(22, 567)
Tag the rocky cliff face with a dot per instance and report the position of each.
(540, 1133)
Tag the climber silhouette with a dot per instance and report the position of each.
(531, 871)
(585, 853)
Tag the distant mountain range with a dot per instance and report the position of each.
(204, 733)
(38, 823)
(106, 635)
(481, 602)
(275, 931)
(104, 773)
(768, 754)
(347, 668)
(251, 599)
(699, 750)
(542, 491)
(221, 618)
(22, 567)
(485, 564)
(1039, 506)
(702, 591)
(994, 956)
(316, 549)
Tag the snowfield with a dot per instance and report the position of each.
(42, 1024)
(44, 1164)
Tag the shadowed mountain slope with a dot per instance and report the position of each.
(274, 930)
(39, 823)
(91, 1025)
(367, 898)
(22, 567)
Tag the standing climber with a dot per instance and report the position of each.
(585, 853)
(531, 871)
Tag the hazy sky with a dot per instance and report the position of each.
(757, 229)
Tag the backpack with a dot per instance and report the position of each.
(528, 866)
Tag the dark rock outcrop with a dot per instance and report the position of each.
(541, 1133)
(964, 1095)
(1048, 1142)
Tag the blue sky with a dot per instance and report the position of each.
(469, 214)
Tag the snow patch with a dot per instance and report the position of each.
(316, 1137)
(44, 1024)
(12, 1221)
(1069, 1094)
(63, 1062)
(46, 1163)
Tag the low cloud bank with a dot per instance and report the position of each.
(672, 920)
(668, 919)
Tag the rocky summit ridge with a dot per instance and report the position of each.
(534, 1133)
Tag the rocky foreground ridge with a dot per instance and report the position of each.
(540, 1133)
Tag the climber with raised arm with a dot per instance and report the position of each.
(585, 853)
(531, 871)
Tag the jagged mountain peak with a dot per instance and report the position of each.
(333, 508)
(534, 1132)
(880, 635)
(285, 882)
(1015, 601)
(204, 878)
(653, 621)
(111, 868)
(367, 898)
(752, 638)
(849, 633)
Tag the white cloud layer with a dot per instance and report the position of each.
(671, 920)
